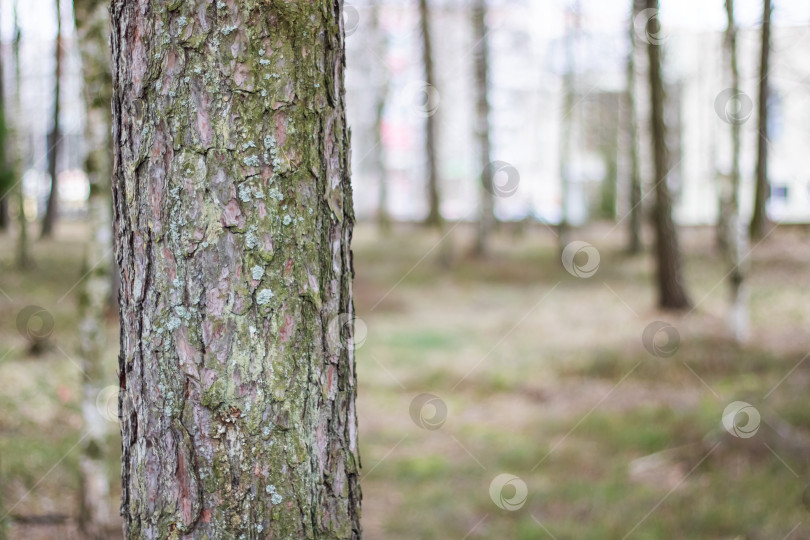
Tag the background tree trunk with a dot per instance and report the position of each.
(434, 218)
(736, 243)
(486, 219)
(636, 211)
(55, 136)
(566, 122)
(759, 217)
(380, 49)
(92, 19)
(6, 167)
(671, 293)
(23, 257)
(233, 220)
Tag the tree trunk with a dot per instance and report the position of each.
(434, 217)
(378, 34)
(636, 211)
(233, 223)
(93, 27)
(486, 219)
(23, 258)
(759, 218)
(566, 123)
(55, 136)
(671, 293)
(6, 167)
(736, 243)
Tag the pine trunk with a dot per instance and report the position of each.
(566, 126)
(93, 27)
(55, 136)
(486, 219)
(671, 293)
(379, 37)
(759, 218)
(233, 223)
(636, 214)
(434, 218)
(23, 257)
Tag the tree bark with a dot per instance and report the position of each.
(233, 223)
(759, 218)
(92, 20)
(671, 293)
(434, 217)
(55, 136)
(636, 211)
(736, 242)
(486, 219)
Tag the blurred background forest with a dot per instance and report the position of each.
(582, 262)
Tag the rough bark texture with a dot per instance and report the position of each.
(759, 218)
(671, 293)
(486, 219)
(636, 217)
(55, 136)
(736, 242)
(93, 27)
(233, 221)
(434, 217)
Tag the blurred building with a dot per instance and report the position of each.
(526, 97)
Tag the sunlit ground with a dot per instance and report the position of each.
(544, 376)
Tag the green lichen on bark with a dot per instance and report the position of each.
(233, 220)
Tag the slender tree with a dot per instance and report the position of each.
(759, 218)
(486, 219)
(380, 47)
(434, 217)
(567, 120)
(671, 292)
(636, 212)
(737, 241)
(55, 136)
(233, 223)
(6, 167)
(23, 257)
(93, 28)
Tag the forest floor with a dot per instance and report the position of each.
(533, 372)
